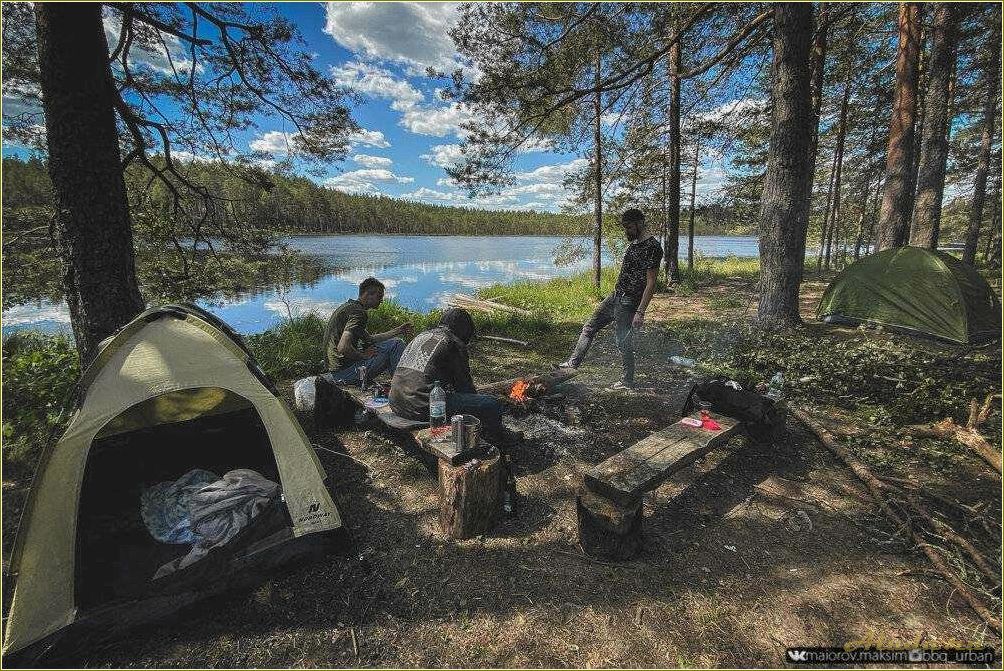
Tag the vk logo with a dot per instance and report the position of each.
(798, 655)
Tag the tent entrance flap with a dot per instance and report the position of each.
(117, 556)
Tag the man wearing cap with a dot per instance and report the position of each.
(626, 306)
(441, 354)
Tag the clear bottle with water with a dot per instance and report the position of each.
(437, 406)
(775, 388)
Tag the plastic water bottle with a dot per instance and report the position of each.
(437, 406)
(686, 362)
(775, 388)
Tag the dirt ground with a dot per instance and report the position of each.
(730, 574)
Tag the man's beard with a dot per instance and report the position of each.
(633, 235)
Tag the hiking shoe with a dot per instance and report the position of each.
(565, 364)
(621, 385)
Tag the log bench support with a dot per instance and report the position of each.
(609, 504)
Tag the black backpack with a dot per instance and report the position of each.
(763, 419)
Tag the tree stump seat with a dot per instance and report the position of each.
(470, 480)
(609, 501)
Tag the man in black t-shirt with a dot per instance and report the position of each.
(627, 304)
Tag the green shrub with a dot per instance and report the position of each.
(40, 372)
(291, 350)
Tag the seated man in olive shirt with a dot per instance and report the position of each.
(349, 346)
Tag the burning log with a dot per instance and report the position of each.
(536, 385)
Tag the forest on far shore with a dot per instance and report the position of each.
(295, 204)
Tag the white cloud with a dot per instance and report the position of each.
(443, 155)
(552, 173)
(735, 108)
(372, 138)
(365, 180)
(31, 313)
(375, 81)
(169, 60)
(413, 33)
(435, 121)
(535, 145)
(424, 193)
(372, 161)
(275, 142)
(446, 182)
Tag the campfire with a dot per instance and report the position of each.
(522, 392)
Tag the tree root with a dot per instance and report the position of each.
(903, 522)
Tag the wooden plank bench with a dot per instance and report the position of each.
(609, 504)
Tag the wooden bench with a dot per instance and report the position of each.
(609, 503)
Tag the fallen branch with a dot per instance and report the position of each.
(511, 341)
(968, 436)
(876, 487)
(472, 303)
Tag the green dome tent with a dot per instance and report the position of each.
(917, 291)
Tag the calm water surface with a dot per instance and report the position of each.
(419, 271)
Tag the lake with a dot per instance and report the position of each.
(419, 271)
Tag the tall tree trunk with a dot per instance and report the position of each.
(784, 204)
(693, 202)
(838, 166)
(672, 250)
(934, 143)
(897, 201)
(597, 175)
(994, 237)
(873, 218)
(824, 228)
(992, 83)
(817, 66)
(94, 228)
(859, 239)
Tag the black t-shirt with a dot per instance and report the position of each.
(639, 258)
(436, 354)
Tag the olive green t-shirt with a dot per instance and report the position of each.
(350, 316)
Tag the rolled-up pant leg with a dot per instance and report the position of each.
(603, 315)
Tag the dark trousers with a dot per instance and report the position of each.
(620, 311)
(485, 407)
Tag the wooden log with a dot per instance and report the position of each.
(470, 496)
(544, 382)
(608, 530)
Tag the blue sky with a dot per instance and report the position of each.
(380, 50)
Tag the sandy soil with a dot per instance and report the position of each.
(728, 577)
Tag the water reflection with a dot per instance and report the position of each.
(419, 272)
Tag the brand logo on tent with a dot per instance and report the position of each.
(313, 513)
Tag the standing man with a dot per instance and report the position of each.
(627, 304)
(348, 345)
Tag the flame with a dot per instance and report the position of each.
(519, 390)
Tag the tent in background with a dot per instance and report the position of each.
(174, 390)
(917, 291)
